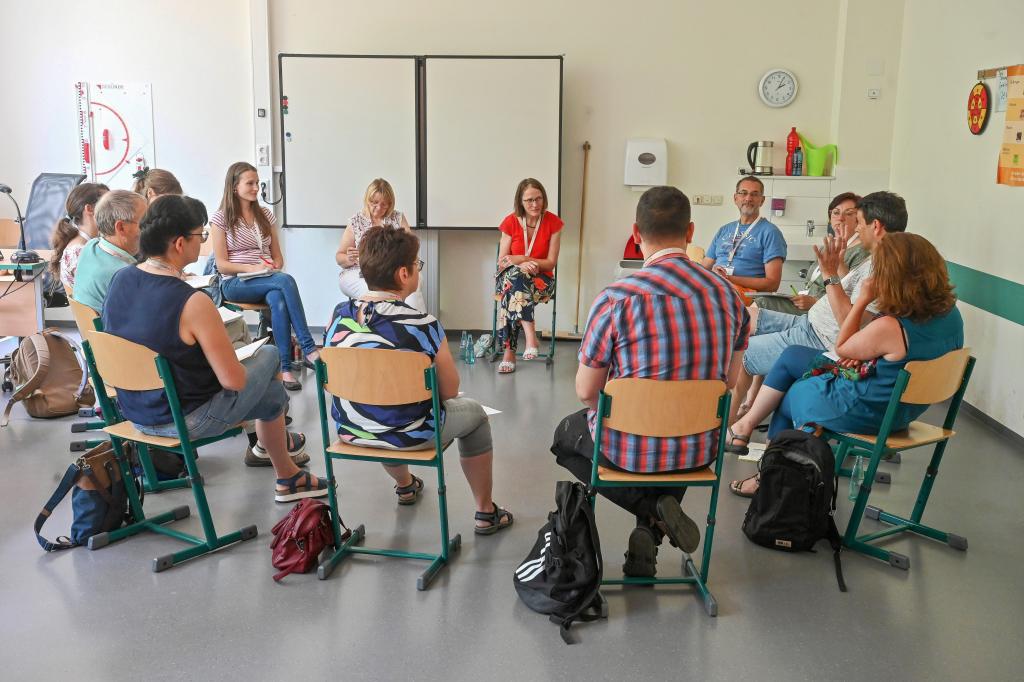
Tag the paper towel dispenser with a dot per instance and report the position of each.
(646, 162)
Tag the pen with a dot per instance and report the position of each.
(793, 288)
(271, 264)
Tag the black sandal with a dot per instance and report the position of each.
(494, 518)
(736, 449)
(414, 489)
(736, 487)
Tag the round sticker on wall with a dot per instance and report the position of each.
(977, 108)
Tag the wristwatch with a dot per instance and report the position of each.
(832, 280)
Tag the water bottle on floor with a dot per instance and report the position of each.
(463, 344)
(470, 354)
(857, 476)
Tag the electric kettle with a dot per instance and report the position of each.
(759, 156)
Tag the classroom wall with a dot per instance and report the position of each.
(948, 175)
(685, 71)
(195, 54)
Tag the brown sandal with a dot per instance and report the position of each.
(737, 486)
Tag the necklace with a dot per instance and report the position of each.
(157, 263)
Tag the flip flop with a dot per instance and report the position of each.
(506, 367)
(736, 449)
(530, 353)
(736, 487)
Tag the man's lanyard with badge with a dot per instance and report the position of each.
(111, 249)
(737, 239)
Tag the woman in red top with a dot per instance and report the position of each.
(527, 257)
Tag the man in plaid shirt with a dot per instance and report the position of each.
(672, 320)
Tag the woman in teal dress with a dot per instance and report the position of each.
(918, 321)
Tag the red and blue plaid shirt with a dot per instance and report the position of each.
(672, 320)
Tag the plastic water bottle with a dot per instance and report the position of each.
(463, 344)
(798, 161)
(470, 354)
(857, 476)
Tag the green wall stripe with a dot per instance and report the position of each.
(990, 293)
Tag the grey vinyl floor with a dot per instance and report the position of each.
(104, 615)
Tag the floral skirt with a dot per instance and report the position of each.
(517, 293)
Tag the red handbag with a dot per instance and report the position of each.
(300, 537)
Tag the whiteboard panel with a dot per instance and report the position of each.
(349, 120)
(490, 123)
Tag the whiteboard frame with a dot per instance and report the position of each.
(422, 90)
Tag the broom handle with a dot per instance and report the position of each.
(583, 215)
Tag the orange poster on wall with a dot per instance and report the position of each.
(1011, 153)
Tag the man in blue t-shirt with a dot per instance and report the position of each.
(748, 252)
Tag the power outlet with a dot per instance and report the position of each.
(263, 155)
(707, 200)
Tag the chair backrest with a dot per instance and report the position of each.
(123, 364)
(45, 204)
(932, 381)
(664, 409)
(84, 315)
(376, 376)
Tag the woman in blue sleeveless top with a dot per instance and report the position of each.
(919, 321)
(151, 305)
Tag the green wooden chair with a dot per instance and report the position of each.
(380, 377)
(87, 319)
(118, 363)
(665, 409)
(549, 356)
(919, 383)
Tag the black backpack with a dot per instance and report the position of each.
(794, 506)
(561, 576)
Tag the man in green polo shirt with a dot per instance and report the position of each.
(118, 214)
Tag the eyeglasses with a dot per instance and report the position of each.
(745, 193)
(535, 200)
(419, 265)
(848, 212)
(203, 236)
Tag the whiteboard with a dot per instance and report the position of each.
(349, 120)
(490, 122)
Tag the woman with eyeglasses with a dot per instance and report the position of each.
(151, 305)
(378, 209)
(842, 216)
(245, 242)
(527, 256)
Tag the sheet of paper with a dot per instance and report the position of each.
(200, 281)
(258, 273)
(227, 315)
(768, 294)
(755, 454)
(248, 350)
(490, 410)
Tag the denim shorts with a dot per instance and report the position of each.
(263, 398)
(775, 333)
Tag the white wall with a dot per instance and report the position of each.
(685, 71)
(195, 54)
(948, 175)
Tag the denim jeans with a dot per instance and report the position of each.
(775, 333)
(286, 313)
(263, 398)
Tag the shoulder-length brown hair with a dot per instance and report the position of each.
(231, 205)
(521, 189)
(86, 194)
(910, 278)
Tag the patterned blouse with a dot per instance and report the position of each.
(69, 265)
(361, 224)
(392, 325)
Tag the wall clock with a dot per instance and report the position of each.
(777, 88)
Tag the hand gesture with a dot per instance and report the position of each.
(720, 270)
(528, 267)
(353, 255)
(803, 301)
(848, 363)
(830, 255)
(867, 291)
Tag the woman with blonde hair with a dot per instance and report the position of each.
(245, 240)
(918, 320)
(378, 209)
(73, 230)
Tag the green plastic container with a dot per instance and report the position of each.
(816, 158)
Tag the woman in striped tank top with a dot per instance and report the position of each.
(246, 242)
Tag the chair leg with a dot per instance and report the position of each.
(152, 482)
(448, 545)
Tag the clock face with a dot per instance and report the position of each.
(777, 88)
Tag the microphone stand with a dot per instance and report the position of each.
(22, 255)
